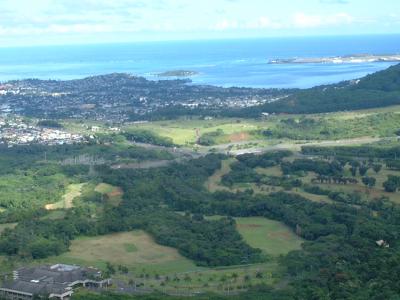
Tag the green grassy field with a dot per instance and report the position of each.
(151, 264)
(331, 126)
(73, 191)
(135, 250)
(234, 279)
(273, 237)
(184, 132)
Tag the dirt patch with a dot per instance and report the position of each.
(115, 193)
(280, 235)
(213, 183)
(239, 137)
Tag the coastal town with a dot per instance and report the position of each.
(17, 131)
(118, 98)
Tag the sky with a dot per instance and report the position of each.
(48, 22)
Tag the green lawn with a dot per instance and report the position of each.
(136, 250)
(146, 260)
(273, 237)
(185, 131)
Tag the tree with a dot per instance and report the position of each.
(110, 268)
(377, 168)
(353, 171)
(363, 170)
(390, 186)
(369, 181)
(392, 183)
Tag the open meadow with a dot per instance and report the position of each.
(73, 191)
(135, 250)
(187, 132)
(164, 269)
(374, 124)
(272, 237)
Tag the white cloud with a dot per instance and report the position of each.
(302, 20)
(335, 1)
(263, 23)
(65, 20)
(299, 20)
(226, 25)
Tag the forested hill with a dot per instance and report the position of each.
(375, 90)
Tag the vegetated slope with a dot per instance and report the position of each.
(375, 90)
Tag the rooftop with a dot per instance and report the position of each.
(56, 279)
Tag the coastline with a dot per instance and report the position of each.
(351, 59)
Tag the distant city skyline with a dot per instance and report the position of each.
(48, 22)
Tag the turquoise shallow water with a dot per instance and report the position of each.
(223, 63)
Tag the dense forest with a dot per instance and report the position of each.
(339, 260)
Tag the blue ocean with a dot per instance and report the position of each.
(222, 63)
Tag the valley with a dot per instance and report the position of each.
(208, 205)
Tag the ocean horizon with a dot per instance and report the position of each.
(242, 62)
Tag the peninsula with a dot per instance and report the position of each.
(177, 73)
(357, 58)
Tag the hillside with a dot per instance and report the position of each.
(375, 90)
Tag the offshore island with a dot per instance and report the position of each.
(356, 58)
